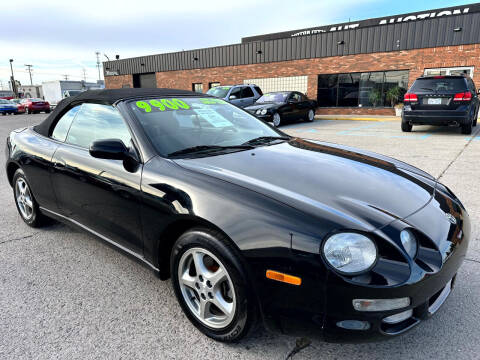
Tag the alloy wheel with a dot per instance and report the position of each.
(311, 115)
(276, 119)
(207, 288)
(24, 198)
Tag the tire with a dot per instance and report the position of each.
(28, 208)
(467, 128)
(47, 111)
(277, 120)
(475, 118)
(406, 127)
(196, 287)
(310, 115)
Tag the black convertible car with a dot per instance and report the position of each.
(251, 225)
(282, 107)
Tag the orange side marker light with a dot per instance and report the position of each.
(278, 276)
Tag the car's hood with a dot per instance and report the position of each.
(255, 107)
(354, 188)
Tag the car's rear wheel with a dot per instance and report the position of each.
(406, 127)
(310, 115)
(277, 119)
(467, 128)
(24, 200)
(211, 285)
(47, 111)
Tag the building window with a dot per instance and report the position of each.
(213, 84)
(290, 83)
(368, 89)
(467, 70)
(197, 87)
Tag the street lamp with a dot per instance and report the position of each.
(12, 79)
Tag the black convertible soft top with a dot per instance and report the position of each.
(107, 96)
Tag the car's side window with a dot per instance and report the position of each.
(258, 90)
(247, 92)
(236, 92)
(295, 97)
(61, 128)
(96, 122)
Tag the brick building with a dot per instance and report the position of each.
(357, 67)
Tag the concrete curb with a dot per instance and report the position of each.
(359, 118)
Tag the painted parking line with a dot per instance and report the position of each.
(476, 138)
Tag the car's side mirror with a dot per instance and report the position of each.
(232, 97)
(113, 149)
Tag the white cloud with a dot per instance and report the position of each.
(61, 37)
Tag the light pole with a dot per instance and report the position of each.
(29, 69)
(12, 79)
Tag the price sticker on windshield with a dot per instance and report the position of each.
(213, 117)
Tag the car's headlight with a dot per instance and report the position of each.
(350, 253)
(258, 112)
(409, 242)
(263, 112)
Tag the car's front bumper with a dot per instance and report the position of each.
(322, 304)
(267, 117)
(435, 117)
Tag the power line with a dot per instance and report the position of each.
(29, 69)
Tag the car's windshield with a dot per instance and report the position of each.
(278, 97)
(35, 100)
(176, 124)
(219, 91)
(439, 85)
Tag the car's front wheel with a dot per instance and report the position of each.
(277, 119)
(211, 285)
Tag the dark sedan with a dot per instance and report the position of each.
(282, 107)
(251, 225)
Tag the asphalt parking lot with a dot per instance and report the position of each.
(65, 294)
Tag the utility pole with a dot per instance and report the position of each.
(12, 79)
(29, 69)
(84, 74)
(65, 77)
(98, 64)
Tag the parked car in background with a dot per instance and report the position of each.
(34, 106)
(20, 106)
(240, 95)
(441, 100)
(7, 107)
(283, 106)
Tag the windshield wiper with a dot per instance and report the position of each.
(265, 140)
(208, 148)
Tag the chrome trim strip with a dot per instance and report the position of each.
(441, 298)
(138, 256)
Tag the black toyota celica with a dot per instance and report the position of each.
(253, 226)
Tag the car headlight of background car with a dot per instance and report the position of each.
(261, 111)
(409, 242)
(350, 253)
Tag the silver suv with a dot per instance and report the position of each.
(240, 95)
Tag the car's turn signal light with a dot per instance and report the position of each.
(278, 276)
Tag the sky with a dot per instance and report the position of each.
(61, 37)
